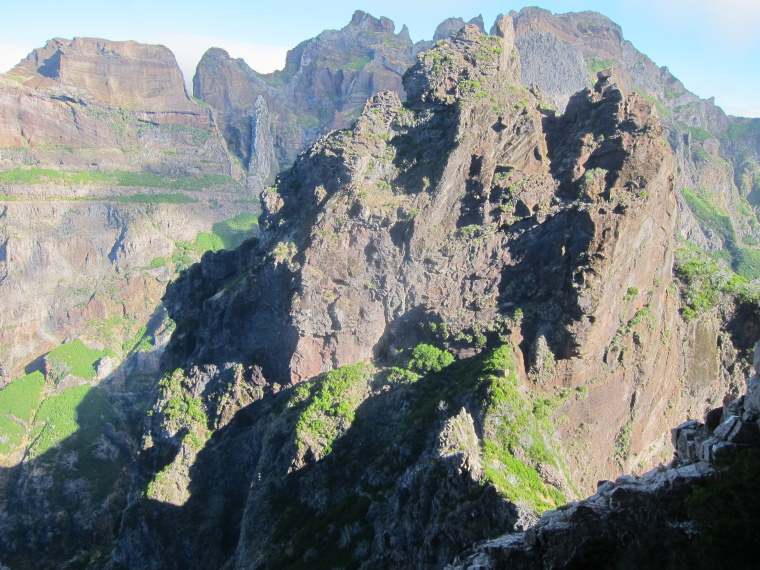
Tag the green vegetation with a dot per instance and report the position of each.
(673, 92)
(662, 109)
(740, 129)
(117, 178)
(709, 215)
(330, 403)
(18, 399)
(705, 282)
(157, 262)
(153, 199)
(632, 293)
(227, 234)
(319, 540)
(236, 230)
(75, 358)
(48, 176)
(744, 261)
(623, 442)
(182, 410)
(427, 358)
(700, 134)
(356, 65)
(518, 425)
(64, 414)
(597, 65)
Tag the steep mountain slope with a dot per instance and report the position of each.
(461, 310)
(324, 85)
(469, 220)
(717, 155)
(320, 90)
(112, 180)
(692, 513)
(102, 158)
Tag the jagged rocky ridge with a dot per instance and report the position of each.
(470, 217)
(717, 155)
(215, 384)
(646, 521)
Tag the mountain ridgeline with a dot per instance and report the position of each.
(473, 277)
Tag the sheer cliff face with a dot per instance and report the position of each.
(104, 96)
(88, 126)
(112, 72)
(324, 85)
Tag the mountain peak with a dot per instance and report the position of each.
(369, 23)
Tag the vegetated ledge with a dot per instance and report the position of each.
(696, 512)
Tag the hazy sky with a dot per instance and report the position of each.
(711, 45)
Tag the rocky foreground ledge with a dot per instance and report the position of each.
(644, 521)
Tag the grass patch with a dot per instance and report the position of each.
(746, 262)
(356, 65)
(157, 262)
(700, 134)
(58, 417)
(154, 199)
(19, 399)
(597, 65)
(76, 358)
(742, 128)
(708, 215)
(236, 230)
(117, 178)
(518, 423)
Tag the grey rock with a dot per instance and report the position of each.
(725, 428)
(262, 167)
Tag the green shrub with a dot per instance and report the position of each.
(330, 404)
(705, 282)
(700, 134)
(427, 358)
(632, 293)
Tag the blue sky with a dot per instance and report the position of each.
(712, 46)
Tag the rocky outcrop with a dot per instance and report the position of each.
(468, 217)
(560, 52)
(263, 166)
(640, 521)
(372, 232)
(324, 85)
